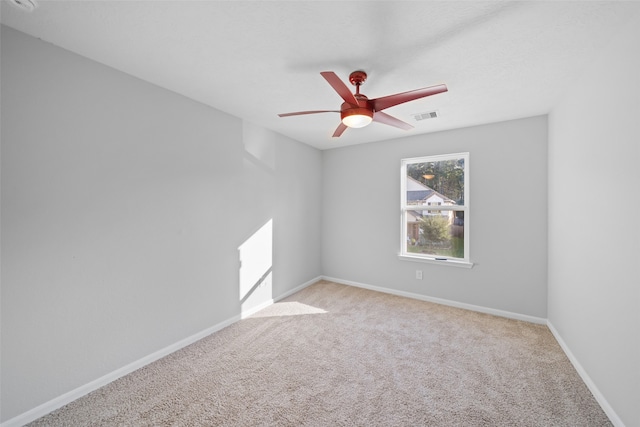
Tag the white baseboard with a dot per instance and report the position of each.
(298, 289)
(246, 313)
(608, 410)
(613, 417)
(487, 310)
(60, 401)
(69, 397)
(253, 310)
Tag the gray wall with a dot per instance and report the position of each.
(123, 208)
(594, 242)
(508, 170)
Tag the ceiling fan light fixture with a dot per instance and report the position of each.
(358, 111)
(356, 117)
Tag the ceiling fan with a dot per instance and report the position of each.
(358, 111)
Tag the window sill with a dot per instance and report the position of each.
(448, 262)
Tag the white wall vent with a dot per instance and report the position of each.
(425, 116)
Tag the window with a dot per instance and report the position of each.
(435, 203)
(435, 209)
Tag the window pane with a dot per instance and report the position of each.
(438, 234)
(435, 183)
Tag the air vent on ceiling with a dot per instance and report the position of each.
(24, 5)
(425, 116)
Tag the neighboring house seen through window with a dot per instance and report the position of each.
(435, 208)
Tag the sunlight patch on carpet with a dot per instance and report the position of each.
(290, 308)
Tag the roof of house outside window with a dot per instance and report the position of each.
(424, 193)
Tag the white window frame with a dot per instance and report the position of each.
(404, 208)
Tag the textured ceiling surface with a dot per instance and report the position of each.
(501, 60)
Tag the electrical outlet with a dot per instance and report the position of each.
(419, 274)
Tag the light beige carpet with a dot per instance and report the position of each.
(335, 355)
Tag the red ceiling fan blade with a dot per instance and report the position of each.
(300, 113)
(339, 130)
(339, 86)
(399, 98)
(386, 119)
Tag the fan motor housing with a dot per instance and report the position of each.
(355, 111)
(364, 108)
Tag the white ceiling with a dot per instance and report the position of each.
(500, 59)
